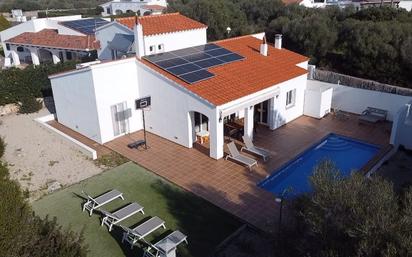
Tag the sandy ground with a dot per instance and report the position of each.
(38, 156)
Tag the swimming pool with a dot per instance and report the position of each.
(348, 154)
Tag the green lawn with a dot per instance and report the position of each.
(204, 224)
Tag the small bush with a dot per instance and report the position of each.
(29, 105)
(110, 160)
(2, 147)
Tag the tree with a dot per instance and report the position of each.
(354, 216)
(4, 23)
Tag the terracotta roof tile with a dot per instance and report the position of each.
(50, 38)
(154, 7)
(238, 79)
(160, 24)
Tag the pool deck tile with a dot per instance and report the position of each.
(231, 186)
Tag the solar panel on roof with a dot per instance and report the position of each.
(190, 64)
(196, 76)
(85, 26)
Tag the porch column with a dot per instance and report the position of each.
(216, 137)
(34, 56)
(56, 56)
(273, 114)
(249, 122)
(15, 56)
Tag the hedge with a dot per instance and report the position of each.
(18, 84)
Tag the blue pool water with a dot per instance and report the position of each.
(346, 153)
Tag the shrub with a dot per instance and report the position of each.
(22, 233)
(16, 84)
(29, 105)
(353, 216)
(2, 147)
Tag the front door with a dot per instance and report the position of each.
(261, 112)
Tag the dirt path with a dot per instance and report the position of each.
(37, 156)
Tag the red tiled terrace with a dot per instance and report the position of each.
(231, 186)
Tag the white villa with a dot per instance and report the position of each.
(265, 84)
(144, 7)
(50, 40)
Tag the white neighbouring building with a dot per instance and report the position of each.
(267, 86)
(50, 40)
(144, 7)
(163, 33)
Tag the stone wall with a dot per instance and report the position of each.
(346, 80)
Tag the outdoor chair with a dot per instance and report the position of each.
(133, 235)
(166, 246)
(250, 147)
(94, 203)
(111, 219)
(373, 115)
(236, 156)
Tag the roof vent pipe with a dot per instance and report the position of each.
(264, 47)
(278, 41)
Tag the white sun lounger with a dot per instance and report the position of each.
(133, 235)
(94, 203)
(111, 219)
(250, 147)
(166, 245)
(235, 155)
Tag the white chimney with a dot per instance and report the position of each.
(264, 47)
(278, 41)
(139, 39)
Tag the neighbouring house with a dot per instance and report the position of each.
(142, 7)
(406, 4)
(50, 40)
(161, 33)
(196, 87)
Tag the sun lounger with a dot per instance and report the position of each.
(111, 219)
(94, 203)
(373, 115)
(142, 230)
(236, 156)
(250, 147)
(166, 245)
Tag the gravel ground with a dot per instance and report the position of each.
(38, 157)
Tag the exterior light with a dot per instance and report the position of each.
(220, 116)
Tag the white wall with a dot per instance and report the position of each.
(318, 100)
(171, 104)
(176, 40)
(116, 82)
(356, 100)
(406, 5)
(401, 131)
(75, 102)
(106, 35)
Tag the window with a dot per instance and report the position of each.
(160, 48)
(290, 98)
(69, 55)
(120, 117)
(152, 49)
(20, 49)
(201, 122)
(8, 47)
